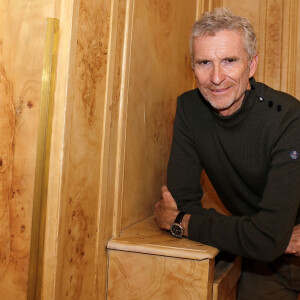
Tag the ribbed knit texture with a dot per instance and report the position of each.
(251, 158)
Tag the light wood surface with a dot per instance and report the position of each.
(138, 276)
(171, 268)
(143, 79)
(157, 75)
(227, 274)
(80, 206)
(67, 12)
(22, 38)
(39, 212)
(7, 127)
(90, 186)
(121, 65)
(146, 237)
(148, 77)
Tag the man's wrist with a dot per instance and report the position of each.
(185, 224)
(172, 216)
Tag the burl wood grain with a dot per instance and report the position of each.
(227, 274)
(148, 263)
(78, 246)
(145, 277)
(7, 132)
(146, 237)
(159, 72)
(22, 36)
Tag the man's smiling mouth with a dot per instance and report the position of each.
(219, 91)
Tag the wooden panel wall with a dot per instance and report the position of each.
(128, 56)
(67, 12)
(121, 65)
(77, 252)
(22, 37)
(130, 62)
(159, 72)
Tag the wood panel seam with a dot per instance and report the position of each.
(122, 119)
(42, 159)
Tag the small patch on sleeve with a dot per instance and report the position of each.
(294, 154)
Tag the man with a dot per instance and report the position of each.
(247, 138)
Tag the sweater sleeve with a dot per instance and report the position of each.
(184, 167)
(264, 235)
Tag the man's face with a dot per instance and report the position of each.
(222, 70)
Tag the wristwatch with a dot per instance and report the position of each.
(176, 228)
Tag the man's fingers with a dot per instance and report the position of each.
(164, 188)
(165, 193)
(167, 197)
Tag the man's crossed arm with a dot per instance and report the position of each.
(166, 211)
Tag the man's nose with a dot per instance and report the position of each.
(217, 75)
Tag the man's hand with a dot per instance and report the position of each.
(294, 244)
(165, 210)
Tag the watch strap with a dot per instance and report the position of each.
(179, 217)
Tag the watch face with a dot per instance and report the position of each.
(177, 230)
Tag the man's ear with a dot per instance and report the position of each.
(253, 65)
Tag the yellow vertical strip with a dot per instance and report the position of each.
(123, 118)
(199, 8)
(292, 46)
(261, 40)
(42, 160)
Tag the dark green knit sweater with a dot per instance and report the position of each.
(252, 159)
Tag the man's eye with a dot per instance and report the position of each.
(230, 60)
(204, 62)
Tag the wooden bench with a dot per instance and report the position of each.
(148, 263)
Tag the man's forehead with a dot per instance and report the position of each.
(226, 42)
(222, 32)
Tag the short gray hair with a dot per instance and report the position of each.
(221, 19)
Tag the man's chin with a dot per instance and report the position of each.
(220, 106)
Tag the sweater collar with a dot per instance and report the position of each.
(238, 116)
